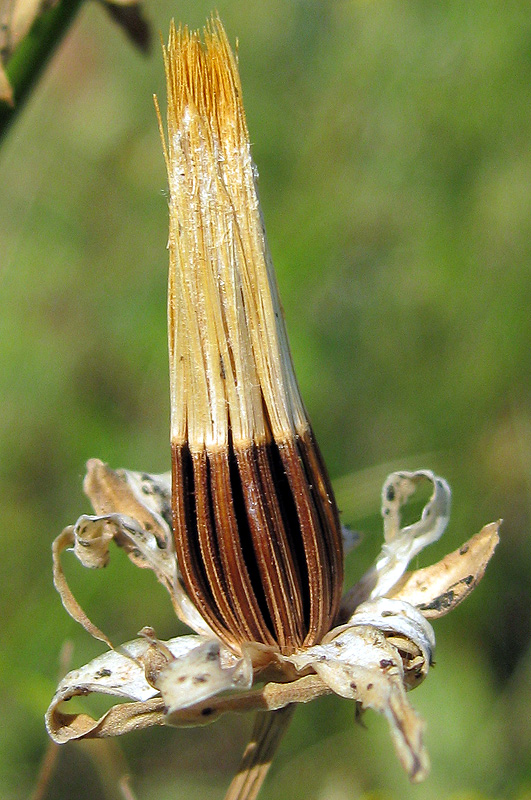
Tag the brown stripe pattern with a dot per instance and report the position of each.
(256, 528)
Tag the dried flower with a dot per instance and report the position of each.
(256, 528)
(246, 536)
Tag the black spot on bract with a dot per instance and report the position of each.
(443, 601)
(103, 673)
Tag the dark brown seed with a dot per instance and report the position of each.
(258, 541)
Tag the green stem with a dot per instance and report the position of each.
(32, 54)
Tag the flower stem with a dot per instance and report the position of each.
(32, 54)
(269, 728)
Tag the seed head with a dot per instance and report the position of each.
(256, 527)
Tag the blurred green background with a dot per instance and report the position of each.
(393, 141)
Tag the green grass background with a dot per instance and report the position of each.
(393, 141)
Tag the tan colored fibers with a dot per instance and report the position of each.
(255, 525)
(230, 364)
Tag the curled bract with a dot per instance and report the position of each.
(380, 647)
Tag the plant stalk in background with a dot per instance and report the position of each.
(30, 32)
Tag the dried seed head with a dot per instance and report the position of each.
(256, 527)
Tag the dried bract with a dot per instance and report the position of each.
(383, 647)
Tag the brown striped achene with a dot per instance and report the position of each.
(256, 528)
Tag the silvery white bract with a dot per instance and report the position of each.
(381, 646)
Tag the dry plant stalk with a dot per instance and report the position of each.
(246, 535)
